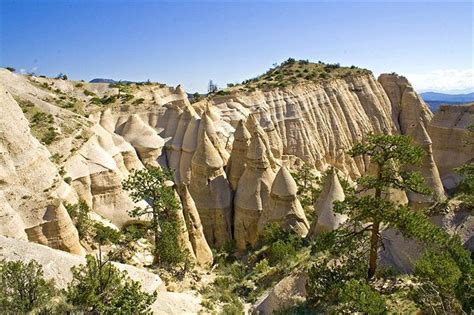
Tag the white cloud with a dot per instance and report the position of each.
(443, 80)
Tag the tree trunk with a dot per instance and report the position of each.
(374, 237)
(374, 246)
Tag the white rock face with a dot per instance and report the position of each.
(97, 171)
(29, 182)
(290, 291)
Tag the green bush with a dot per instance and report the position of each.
(79, 214)
(105, 234)
(23, 287)
(100, 288)
(49, 136)
(440, 268)
(89, 93)
(358, 296)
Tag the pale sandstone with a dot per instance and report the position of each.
(327, 219)
(237, 161)
(253, 193)
(284, 207)
(211, 192)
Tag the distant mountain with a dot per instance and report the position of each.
(434, 99)
(100, 80)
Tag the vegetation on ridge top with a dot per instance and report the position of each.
(292, 72)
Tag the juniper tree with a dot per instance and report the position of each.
(154, 185)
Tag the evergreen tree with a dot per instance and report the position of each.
(351, 252)
(154, 185)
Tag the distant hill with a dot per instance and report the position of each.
(434, 99)
(100, 80)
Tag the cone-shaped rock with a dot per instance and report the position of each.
(427, 168)
(57, 230)
(107, 120)
(237, 160)
(190, 141)
(175, 149)
(327, 220)
(201, 248)
(253, 193)
(211, 192)
(284, 208)
(207, 126)
(276, 144)
(254, 127)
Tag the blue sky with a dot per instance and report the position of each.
(190, 42)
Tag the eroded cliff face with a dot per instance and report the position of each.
(30, 186)
(317, 122)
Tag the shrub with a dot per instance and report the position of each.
(23, 287)
(79, 214)
(11, 69)
(439, 268)
(138, 101)
(358, 296)
(49, 136)
(89, 93)
(99, 287)
(105, 234)
(79, 85)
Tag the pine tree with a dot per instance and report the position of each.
(154, 185)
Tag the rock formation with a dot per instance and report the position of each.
(453, 144)
(188, 148)
(319, 123)
(253, 193)
(427, 168)
(143, 138)
(57, 230)
(211, 192)
(197, 238)
(237, 160)
(207, 126)
(284, 207)
(326, 219)
(407, 107)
